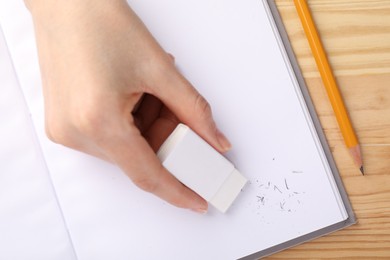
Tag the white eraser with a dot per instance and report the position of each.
(200, 167)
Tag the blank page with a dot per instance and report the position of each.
(31, 223)
(228, 50)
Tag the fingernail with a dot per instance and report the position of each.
(223, 141)
(200, 211)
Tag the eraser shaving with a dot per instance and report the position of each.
(200, 167)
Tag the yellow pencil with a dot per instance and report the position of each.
(329, 82)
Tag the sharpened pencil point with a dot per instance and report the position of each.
(357, 157)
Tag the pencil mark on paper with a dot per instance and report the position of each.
(260, 199)
(282, 205)
(297, 171)
(282, 197)
(276, 188)
(285, 182)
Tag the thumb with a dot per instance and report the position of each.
(191, 108)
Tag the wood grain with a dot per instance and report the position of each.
(356, 36)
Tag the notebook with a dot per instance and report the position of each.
(69, 205)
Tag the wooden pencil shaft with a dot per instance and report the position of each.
(326, 74)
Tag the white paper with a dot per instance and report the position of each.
(31, 223)
(227, 49)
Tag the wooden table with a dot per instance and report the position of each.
(356, 36)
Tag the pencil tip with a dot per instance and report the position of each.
(361, 169)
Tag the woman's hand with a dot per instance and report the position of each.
(111, 91)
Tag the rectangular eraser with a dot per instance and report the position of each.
(200, 167)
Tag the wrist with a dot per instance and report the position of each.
(50, 10)
(38, 6)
